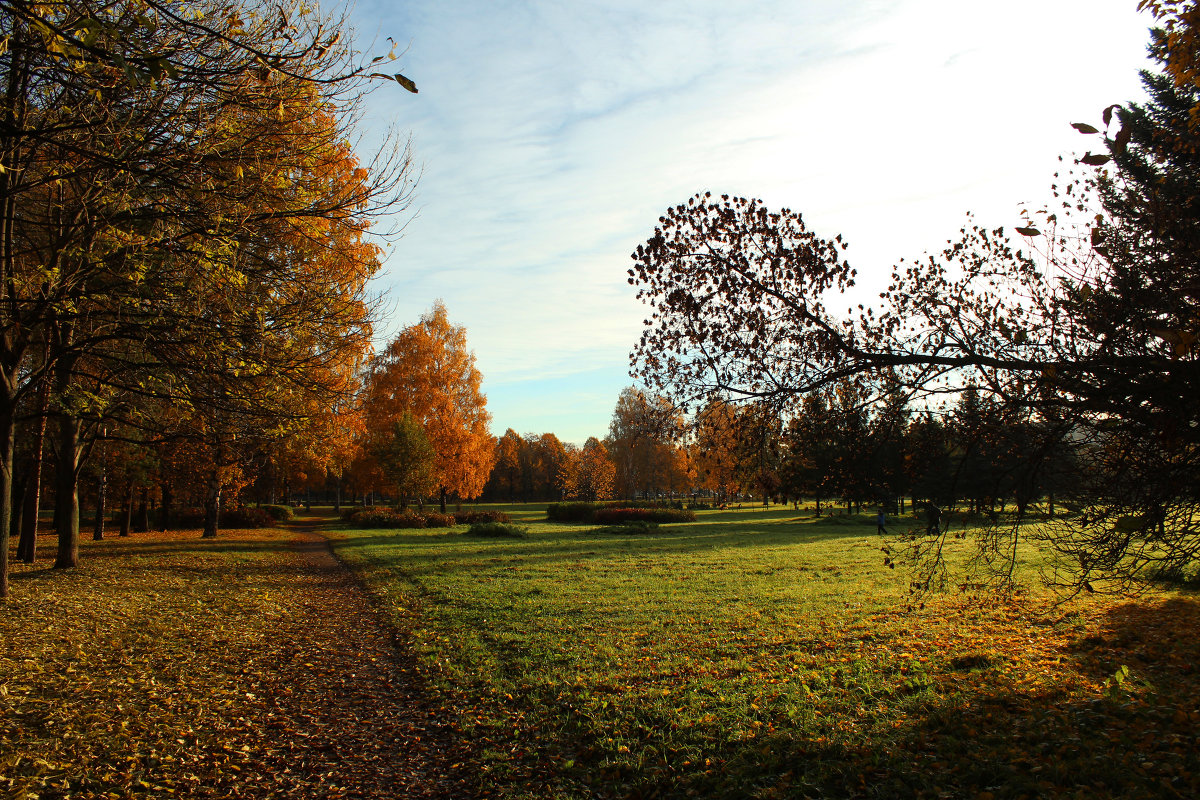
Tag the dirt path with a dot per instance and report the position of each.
(251, 665)
(356, 721)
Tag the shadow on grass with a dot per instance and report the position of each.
(984, 737)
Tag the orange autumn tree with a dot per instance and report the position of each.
(716, 455)
(587, 473)
(428, 372)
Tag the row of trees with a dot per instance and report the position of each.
(183, 245)
(1086, 331)
(838, 445)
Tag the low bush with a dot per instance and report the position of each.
(498, 529)
(617, 516)
(373, 517)
(662, 502)
(380, 517)
(627, 528)
(471, 517)
(571, 512)
(278, 513)
(434, 519)
(247, 517)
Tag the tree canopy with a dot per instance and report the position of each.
(428, 372)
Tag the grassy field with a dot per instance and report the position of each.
(759, 653)
(753, 653)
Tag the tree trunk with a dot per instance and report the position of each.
(12, 344)
(27, 546)
(442, 492)
(7, 429)
(98, 527)
(19, 488)
(66, 494)
(127, 510)
(212, 507)
(164, 517)
(141, 523)
(337, 495)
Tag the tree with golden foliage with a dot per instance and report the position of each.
(716, 452)
(507, 471)
(643, 441)
(588, 472)
(428, 371)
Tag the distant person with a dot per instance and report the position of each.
(880, 522)
(935, 519)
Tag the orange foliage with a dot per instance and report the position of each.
(428, 371)
(716, 452)
(588, 473)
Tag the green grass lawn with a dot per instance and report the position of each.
(762, 653)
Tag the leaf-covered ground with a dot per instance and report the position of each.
(248, 666)
(750, 654)
(761, 654)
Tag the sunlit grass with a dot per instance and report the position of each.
(751, 653)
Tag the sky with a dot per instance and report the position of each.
(551, 136)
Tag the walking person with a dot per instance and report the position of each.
(880, 522)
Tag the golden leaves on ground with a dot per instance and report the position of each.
(172, 666)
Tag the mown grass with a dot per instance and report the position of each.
(760, 653)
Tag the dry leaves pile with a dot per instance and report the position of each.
(250, 666)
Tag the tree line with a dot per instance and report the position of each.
(836, 447)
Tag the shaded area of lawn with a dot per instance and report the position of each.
(768, 655)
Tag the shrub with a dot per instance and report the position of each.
(433, 519)
(617, 516)
(627, 528)
(278, 513)
(380, 517)
(471, 517)
(246, 517)
(571, 512)
(662, 502)
(497, 529)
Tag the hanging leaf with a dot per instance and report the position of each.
(406, 83)
(1083, 127)
(1029, 231)
(1108, 112)
(1121, 141)
(1095, 159)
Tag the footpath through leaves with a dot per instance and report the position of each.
(247, 666)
